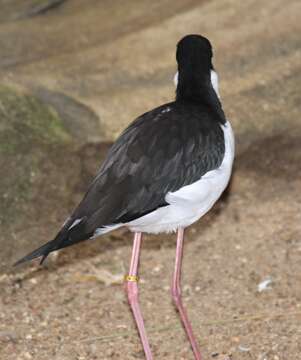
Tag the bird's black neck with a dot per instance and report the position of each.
(196, 87)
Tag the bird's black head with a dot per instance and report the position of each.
(197, 80)
(194, 52)
(194, 57)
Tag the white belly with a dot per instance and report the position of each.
(191, 202)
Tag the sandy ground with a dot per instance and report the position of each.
(74, 308)
(65, 310)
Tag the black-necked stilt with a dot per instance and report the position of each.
(163, 173)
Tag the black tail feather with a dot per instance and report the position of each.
(66, 237)
(41, 251)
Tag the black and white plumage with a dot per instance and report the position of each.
(168, 168)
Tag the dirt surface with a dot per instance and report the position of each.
(74, 308)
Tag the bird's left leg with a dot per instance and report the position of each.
(176, 294)
(131, 286)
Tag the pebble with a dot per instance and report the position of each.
(122, 326)
(157, 269)
(265, 284)
(7, 336)
(243, 348)
(33, 281)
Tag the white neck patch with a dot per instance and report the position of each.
(214, 81)
(176, 78)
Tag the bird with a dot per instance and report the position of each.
(163, 173)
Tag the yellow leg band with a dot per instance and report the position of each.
(132, 278)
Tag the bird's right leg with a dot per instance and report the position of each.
(131, 286)
(176, 295)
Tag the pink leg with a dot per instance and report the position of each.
(176, 294)
(131, 287)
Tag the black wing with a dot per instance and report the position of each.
(161, 151)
